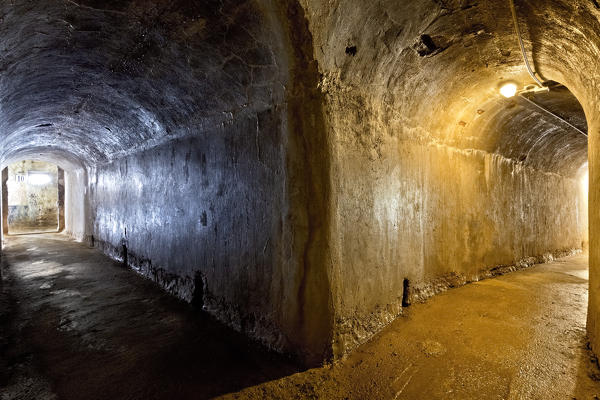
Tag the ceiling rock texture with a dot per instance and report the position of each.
(304, 169)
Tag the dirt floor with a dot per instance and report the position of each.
(75, 325)
(518, 336)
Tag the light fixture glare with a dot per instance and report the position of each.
(39, 179)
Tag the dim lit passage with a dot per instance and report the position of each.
(299, 199)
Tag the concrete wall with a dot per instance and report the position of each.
(60, 179)
(198, 210)
(208, 219)
(302, 224)
(301, 167)
(438, 217)
(231, 214)
(593, 318)
(4, 203)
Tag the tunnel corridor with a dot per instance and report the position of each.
(300, 199)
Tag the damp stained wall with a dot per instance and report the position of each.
(203, 218)
(31, 206)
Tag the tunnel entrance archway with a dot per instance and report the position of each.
(33, 196)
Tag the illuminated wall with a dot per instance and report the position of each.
(32, 196)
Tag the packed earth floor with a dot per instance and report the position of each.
(77, 325)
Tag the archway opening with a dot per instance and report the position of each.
(33, 194)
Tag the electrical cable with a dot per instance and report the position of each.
(552, 114)
(516, 23)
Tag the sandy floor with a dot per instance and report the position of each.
(75, 325)
(518, 336)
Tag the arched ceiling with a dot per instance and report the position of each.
(546, 131)
(86, 81)
(429, 71)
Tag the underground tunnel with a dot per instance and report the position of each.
(251, 199)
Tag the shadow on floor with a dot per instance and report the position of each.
(84, 327)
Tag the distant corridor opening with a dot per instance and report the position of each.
(34, 193)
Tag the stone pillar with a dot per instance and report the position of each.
(61, 199)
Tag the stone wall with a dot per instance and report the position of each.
(204, 218)
(436, 179)
(307, 223)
